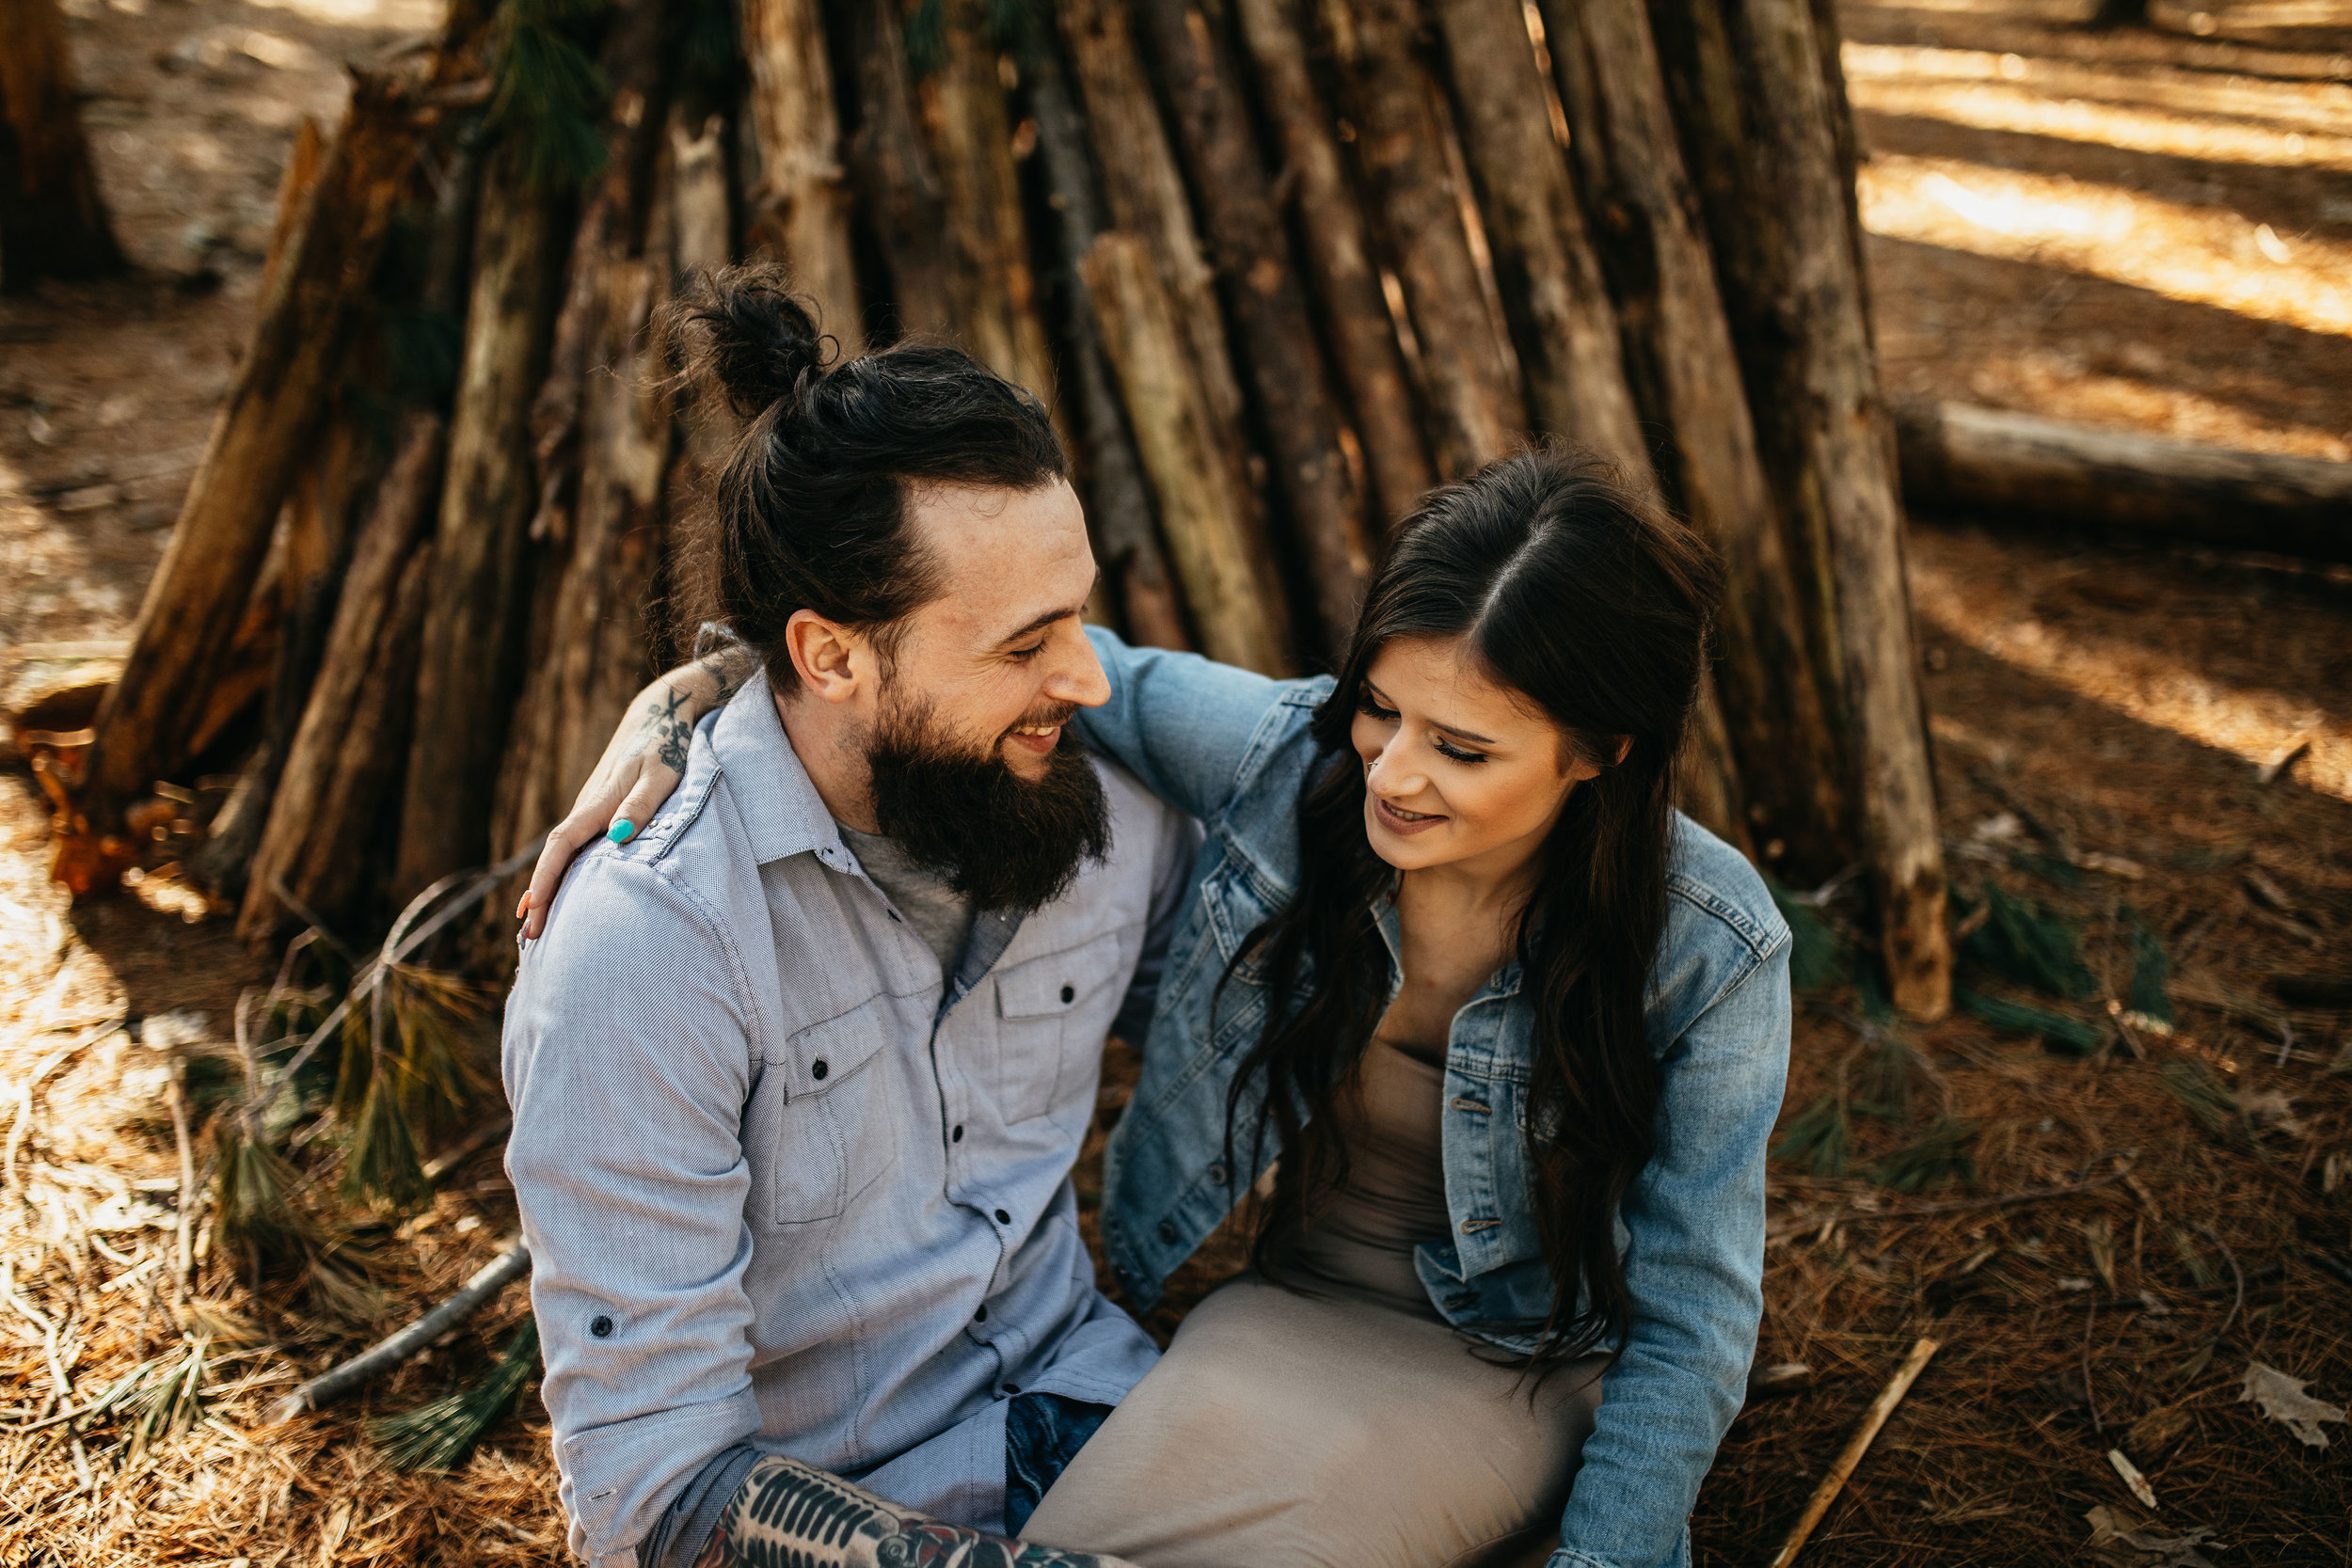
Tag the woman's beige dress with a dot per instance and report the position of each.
(1349, 1428)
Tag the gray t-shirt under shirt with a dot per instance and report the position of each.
(940, 915)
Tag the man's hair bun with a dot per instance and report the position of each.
(742, 329)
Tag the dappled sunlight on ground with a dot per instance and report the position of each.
(2203, 255)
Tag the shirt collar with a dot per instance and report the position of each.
(782, 814)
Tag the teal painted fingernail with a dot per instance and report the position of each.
(622, 832)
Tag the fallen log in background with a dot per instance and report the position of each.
(1958, 457)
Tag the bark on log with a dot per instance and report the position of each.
(589, 651)
(1144, 198)
(902, 193)
(1469, 389)
(467, 672)
(1275, 335)
(1681, 350)
(1234, 606)
(1956, 457)
(1337, 254)
(258, 444)
(53, 221)
(319, 815)
(800, 204)
(1119, 501)
(302, 162)
(1565, 327)
(1828, 447)
(611, 221)
(994, 292)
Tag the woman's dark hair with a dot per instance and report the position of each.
(1577, 591)
(809, 511)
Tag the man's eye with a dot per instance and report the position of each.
(1446, 750)
(1025, 655)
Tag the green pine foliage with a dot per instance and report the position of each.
(2151, 968)
(548, 99)
(1817, 955)
(1887, 1080)
(1942, 1153)
(438, 1435)
(1818, 1138)
(2031, 943)
(2060, 1034)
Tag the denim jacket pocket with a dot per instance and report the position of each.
(1047, 1011)
(821, 1088)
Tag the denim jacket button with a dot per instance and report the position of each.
(1217, 1173)
(1168, 1231)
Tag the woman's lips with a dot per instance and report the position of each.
(1403, 822)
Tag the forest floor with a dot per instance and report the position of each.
(2149, 229)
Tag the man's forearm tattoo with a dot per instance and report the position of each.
(787, 1514)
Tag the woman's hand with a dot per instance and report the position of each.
(640, 768)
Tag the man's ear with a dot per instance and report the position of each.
(824, 656)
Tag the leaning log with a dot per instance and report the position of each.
(970, 137)
(1337, 254)
(1564, 327)
(902, 196)
(1235, 605)
(1679, 346)
(1275, 334)
(1803, 332)
(2004, 463)
(344, 755)
(467, 672)
(52, 222)
(801, 203)
(258, 444)
(1111, 474)
(1469, 389)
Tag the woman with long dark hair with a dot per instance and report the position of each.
(1494, 1036)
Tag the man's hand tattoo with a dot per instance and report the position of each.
(788, 1515)
(672, 735)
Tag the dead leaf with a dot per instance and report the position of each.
(2111, 1529)
(2151, 1436)
(2282, 1398)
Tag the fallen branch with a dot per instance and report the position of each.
(1856, 1445)
(333, 1384)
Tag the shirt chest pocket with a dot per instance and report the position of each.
(832, 1129)
(1052, 1015)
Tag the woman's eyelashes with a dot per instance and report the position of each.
(1370, 707)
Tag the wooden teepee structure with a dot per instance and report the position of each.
(1277, 265)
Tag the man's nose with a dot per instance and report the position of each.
(1077, 674)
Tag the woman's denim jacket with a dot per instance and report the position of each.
(1232, 749)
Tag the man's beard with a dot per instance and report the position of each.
(1001, 840)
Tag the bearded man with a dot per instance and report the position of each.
(797, 1194)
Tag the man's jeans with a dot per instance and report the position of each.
(1044, 1432)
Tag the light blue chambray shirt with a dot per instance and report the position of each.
(787, 1183)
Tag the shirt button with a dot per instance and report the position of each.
(1002, 1218)
(817, 1069)
(1069, 994)
(1168, 1231)
(601, 1326)
(956, 1136)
